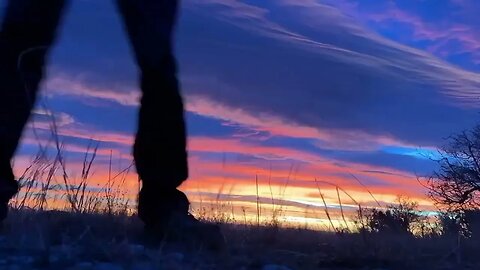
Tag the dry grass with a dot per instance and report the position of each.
(97, 226)
(58, 240)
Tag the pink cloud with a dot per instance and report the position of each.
(62, 85)
(275, 126)
(327, 138)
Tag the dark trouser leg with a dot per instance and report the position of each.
(27, 31)
(160, 145)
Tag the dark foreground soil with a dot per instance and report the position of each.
(59, 240)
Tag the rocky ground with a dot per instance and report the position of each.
(58, 240)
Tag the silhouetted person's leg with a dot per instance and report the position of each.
(160, 146)
(27, 31)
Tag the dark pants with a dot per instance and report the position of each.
(28, 32)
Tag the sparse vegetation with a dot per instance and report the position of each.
(456, 184)
(96, 225)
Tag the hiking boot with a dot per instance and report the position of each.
(185, 229)
(8, 187)
(167, 220)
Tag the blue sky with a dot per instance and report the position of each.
(334, 87)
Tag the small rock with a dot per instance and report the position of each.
(275, 267)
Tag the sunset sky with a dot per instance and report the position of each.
(288, 90)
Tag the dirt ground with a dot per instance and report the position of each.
(60, 240)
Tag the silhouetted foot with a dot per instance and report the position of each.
(7, 191)
(186, 230)
(8, 187)
(167, 220)
(3, 213)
